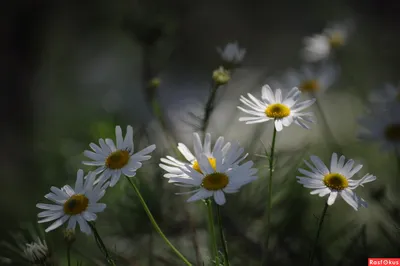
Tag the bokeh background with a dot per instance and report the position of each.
(72, 70)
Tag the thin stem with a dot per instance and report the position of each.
(209, 108)
(212, 232)
(222, 235)
(326, 126)
(321, 220)
(271, 171)
(154, 223)
(69, 254)
(101, 243)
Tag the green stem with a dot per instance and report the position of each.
(209, 108)
(69, 254)
(222, 235)
(271, 170)
(326, 126)
(212, 232)
(154, 223)
(321, 220)
(101, 243)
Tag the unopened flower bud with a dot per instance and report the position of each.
(69, 236)
(221, 76)
(154, 83)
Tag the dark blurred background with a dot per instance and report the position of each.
(72, 70)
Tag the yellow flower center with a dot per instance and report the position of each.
(117, 159)
(392, 132)
(215, 181)
(277, 110)
(336, 181)
(76, 204)
(212, 161)
(336, 40)
(311, 85)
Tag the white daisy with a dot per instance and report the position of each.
(173, 166)
(309, 80)
(37, 252)
(225, 176)
(382, 125)
(232, 53)
(320, 46)
(115, 160)
(316, 48)
(387, 94)
(334, 181)
(77, 205)
(272, 107)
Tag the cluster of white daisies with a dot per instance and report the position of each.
(212, 172)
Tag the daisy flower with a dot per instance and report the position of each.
(216, 179)
(272, 107)
(173, 166)
(316, 48)
(382, 125)
(37, 252)
(320, 46)
(232, 53)
(308, 80)
(78, 205)
(334, 181)
(114, 160)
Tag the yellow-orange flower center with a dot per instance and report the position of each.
(392, 132)
(277, 110)
(311, 85)
(336, 40)
(117, 159)
(336, 181)
(76, 204)
(215, 181)
(212, 161)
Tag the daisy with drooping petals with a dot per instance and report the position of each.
(172, 165)
(272, 107)
(334, 181)
(382, 125)
(232, 53)
(114, 160)
(309, 80)
(78, 205)
(215, 178)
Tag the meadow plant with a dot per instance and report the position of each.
(216, 172)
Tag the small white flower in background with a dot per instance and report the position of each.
(37, 252)
(283, 112)
(78, 205)
(216, 177)
(232, 53)
(309, 80)
(316, 48)
(387, 94)
(319, 46)
(382, 125)
(334, 181)
(114, 160)
(173, 166)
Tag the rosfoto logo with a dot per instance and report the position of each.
(383, 261)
